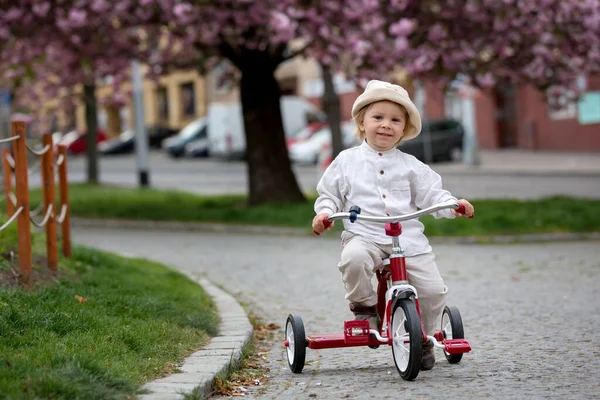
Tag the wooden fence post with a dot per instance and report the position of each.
(7, 169)
(49, 196)
(64, 201)
(22, 191)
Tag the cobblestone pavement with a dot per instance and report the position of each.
(531, 313)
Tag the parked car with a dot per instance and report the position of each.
(158, 133)
(446, 141)
(198, 148)
(309, 151)
(226, 131)
(122, 144)
(304, 133)
(76, 142)
(175, 145)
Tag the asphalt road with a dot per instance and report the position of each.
(531, 313)
(209, 176)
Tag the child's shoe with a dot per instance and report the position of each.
(368, 313)
(428, 358)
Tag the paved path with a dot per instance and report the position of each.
(531, 312)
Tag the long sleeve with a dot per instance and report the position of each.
(428, 191)
(330, 190)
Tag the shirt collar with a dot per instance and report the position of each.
(389, 153)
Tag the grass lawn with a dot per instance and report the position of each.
(100, 329)
(492, 217)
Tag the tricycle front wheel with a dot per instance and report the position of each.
(296, 339)
(407, 338)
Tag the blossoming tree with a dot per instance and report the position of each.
(547, 43)
(46, 46)
(544, 42)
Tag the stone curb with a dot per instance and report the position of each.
(199, 370)
(280, 231)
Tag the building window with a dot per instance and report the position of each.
(560, 104)
(162, 103)
(188, 99)
(224, 75)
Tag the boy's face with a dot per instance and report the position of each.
(383, 125)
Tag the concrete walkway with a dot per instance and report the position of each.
(198, 370)
(528, 309)
(525, 162)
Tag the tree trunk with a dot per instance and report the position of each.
(331, 106)
(270, 176)
(91, 123)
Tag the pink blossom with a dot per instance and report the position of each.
(13, 14)
(404, 27)
(41, 9)
(100, 6)
(77, 18)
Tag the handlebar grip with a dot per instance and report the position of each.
(326, 224)
(461, 210)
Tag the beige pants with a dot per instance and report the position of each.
(361, 258)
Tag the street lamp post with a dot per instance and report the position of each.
(141, 139)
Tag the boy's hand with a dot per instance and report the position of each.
(318, 223)
(469, 209)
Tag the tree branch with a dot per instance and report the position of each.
(296, 53)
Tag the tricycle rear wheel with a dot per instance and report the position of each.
(452, 327)
(296, 339)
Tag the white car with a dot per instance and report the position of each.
(309, 151)
(197, 148)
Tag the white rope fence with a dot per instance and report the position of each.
(11, 161)
(41, 152)
(46, 217)
(11, 219)
(63, 214)
(15, 165)
(36, 210)
(10, 139)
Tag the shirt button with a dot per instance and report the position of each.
(380, 154)
(381, 172)
(383, 196)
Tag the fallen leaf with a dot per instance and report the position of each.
(82, 300)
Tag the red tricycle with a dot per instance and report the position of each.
(397, 306)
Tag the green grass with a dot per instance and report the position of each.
(550, 215)
(100, 331)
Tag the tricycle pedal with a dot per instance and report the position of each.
(356, 331)
(456, 346)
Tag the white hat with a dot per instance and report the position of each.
(379, 91)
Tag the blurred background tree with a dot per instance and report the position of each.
(548, 43)
(49, 46)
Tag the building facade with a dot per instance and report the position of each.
(173, 101)
(508, 116)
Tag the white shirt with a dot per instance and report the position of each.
(382, 184)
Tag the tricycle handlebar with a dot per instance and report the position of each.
(396, 218)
